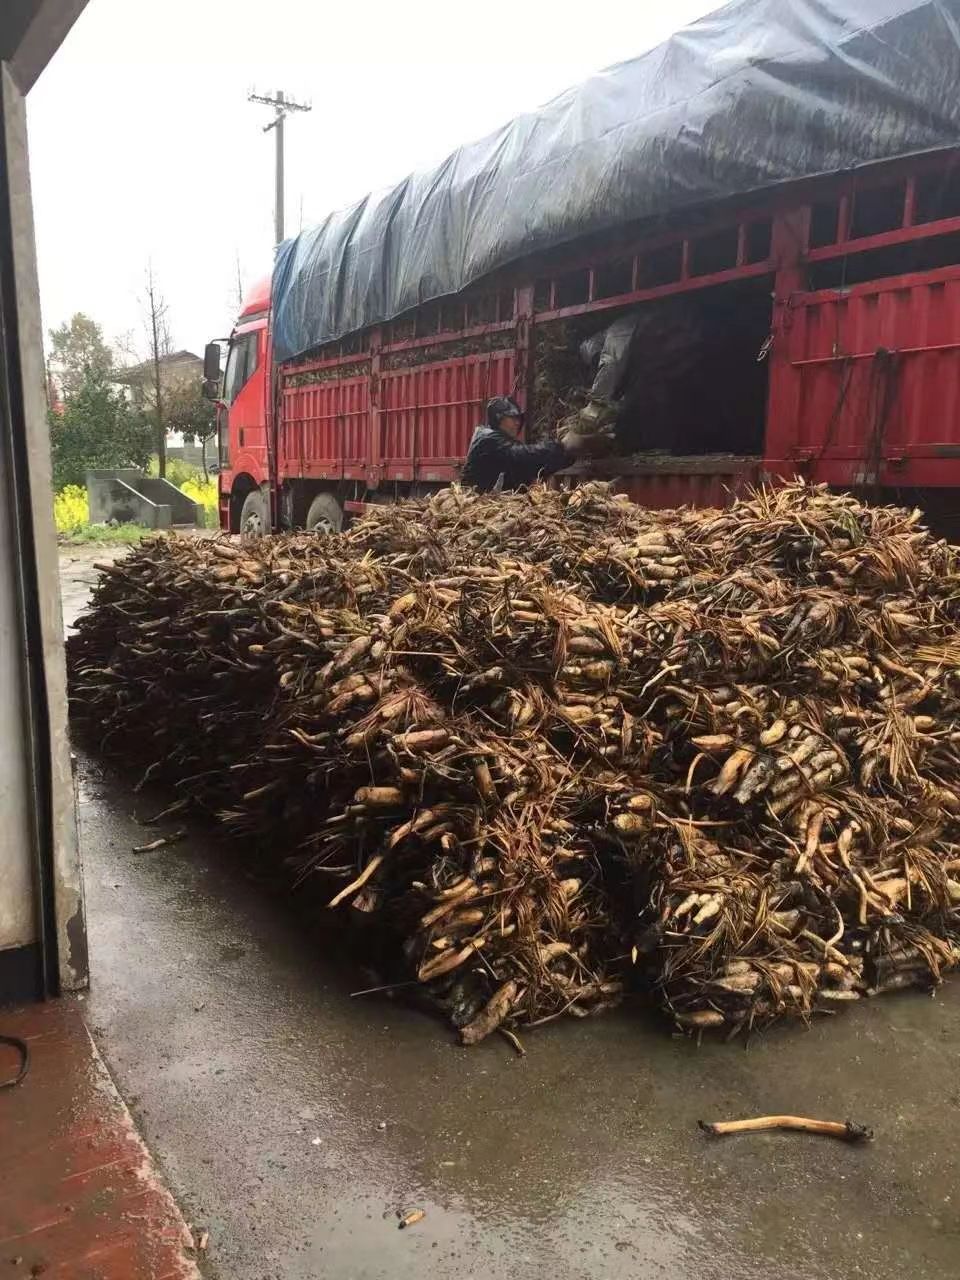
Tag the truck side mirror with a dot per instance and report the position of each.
(211, 362)
(211, 388)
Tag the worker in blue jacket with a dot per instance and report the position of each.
(495, 451)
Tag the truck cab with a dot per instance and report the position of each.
(242, 394)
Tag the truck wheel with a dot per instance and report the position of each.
(325, 514)
(253, 515)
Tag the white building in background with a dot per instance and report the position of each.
(176, 369)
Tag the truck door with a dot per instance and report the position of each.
(243, 424)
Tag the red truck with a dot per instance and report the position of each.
(809, 328)
(829, 347)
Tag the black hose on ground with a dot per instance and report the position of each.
(21, 1047)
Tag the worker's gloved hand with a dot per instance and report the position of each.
(595, 416)
(598, 444)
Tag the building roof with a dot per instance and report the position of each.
(135, 372)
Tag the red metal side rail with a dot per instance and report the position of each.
(324, 431)
(428, 412)
(667, 482)
(866, 383)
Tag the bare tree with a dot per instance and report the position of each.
(127, 348)
(158, 339)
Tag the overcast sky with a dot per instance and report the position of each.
(143, 146)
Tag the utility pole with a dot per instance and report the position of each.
(281, 105)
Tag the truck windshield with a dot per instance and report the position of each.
(241, 363)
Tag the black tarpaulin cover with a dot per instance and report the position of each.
(758, 93)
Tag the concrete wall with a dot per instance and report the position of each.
(115, 495)
(127, 496)
(31, 31)
(41, 896)
(18, 907)
(183, 510)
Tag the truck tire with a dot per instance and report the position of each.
(253, 515)
(325, 514)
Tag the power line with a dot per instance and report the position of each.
(282, 106)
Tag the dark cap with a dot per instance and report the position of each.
(501, 407)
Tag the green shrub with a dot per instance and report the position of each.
(97, 428)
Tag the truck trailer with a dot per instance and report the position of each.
(795, 300)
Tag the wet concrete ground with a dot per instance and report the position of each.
(293, 1121)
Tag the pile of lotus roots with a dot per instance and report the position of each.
(548, 748)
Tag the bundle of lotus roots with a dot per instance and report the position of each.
(550, 747)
